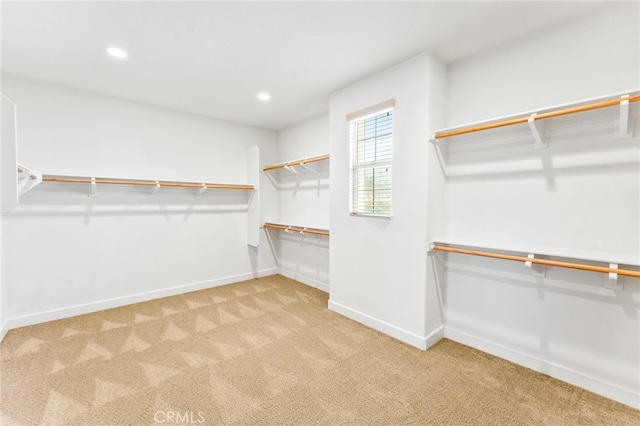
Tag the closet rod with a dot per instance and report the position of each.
(147, 183)
(296, 229)
(625, 272)
(543, 115)
(297, 162)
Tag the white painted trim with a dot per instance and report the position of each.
(4, 329)
(609, 390)
(434, 337)
(87, 308)
(304, 279)
(405, 336)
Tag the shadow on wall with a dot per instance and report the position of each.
(568, 282)
(69, 200)
(579, 144)
(314, 177)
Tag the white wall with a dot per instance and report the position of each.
(303, 201)
(379, 265)
(67, 253)
(589, 56)
(436, 217)
(7, 159)
(581, 193)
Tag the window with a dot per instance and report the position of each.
(371, 138)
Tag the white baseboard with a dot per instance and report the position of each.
(4, 329)
(71, 311)
(420, 342)
(626, 396)
(434, 337)
(304, 279)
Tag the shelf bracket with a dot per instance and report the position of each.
(92, 188)
(537, 270)
(612, 280)
(24, 172)
(27, 180)
(292, 170)
(624, 131)
(538, 131)
(303, 165)
(201, 191)
(155, 190)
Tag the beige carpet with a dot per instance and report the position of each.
(267, 351)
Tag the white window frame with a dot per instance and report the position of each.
(355, 203)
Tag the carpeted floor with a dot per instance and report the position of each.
(267, 352)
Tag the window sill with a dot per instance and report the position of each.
(388, 216)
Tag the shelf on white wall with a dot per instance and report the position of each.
(201, 187)
(592, 256)
(290, 165)
(300, 250)
(532, 258)
(535, 120)
(297, 229)
(294, 179)
(17, 179)
(27, 179)
(303, 173)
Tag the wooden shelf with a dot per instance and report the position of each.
(301, 162)
(532, 259)
(592, 256)
(143, 182)
(300, 229)
(621, 99)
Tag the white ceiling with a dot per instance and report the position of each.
(212, 58)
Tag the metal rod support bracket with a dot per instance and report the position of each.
(537, 270)
(538, 129)
(623, 131)
(292, 170)
(201, 191)
(27, 179)
(612, 280)
(24, 173)
(92, 187)
(304, 166)
(155, 190)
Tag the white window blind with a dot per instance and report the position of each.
(371, 138)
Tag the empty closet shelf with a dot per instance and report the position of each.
(144, 182)
(296, 163)
(532, 259)
(299, 229)
(528, 118)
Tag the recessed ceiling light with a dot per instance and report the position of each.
(263, 96)
(117, 52)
